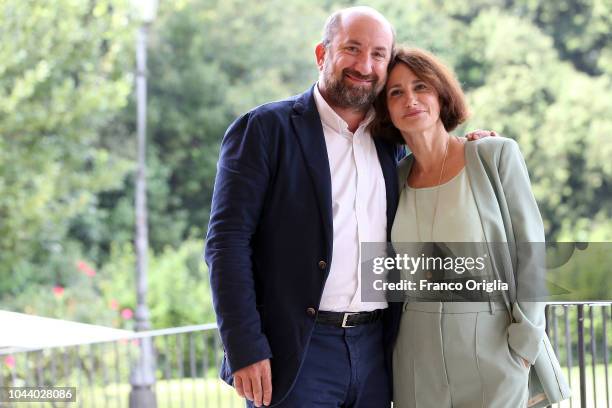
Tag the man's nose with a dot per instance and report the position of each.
(363, 64)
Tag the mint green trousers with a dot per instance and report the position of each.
(456, 355)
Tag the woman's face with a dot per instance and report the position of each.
(413, 104)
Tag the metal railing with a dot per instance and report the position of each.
(579, 333)
(187, 360)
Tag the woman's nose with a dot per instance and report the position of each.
(410, 99)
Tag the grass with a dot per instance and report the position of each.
(187, 393)
(213, 393)
(593, 400)
(201, 393)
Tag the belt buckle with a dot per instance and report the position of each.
(346, 315)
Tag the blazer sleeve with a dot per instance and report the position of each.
(243, 175)
(526, 331)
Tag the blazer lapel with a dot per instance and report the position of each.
(309, 131)
(488, 209)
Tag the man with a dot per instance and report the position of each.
(300, 184)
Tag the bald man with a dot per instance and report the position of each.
(300, 183)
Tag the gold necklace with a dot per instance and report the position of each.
(433, 220)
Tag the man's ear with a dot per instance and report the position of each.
(320, 54)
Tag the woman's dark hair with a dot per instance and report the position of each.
(429, 69)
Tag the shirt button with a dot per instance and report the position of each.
(322, 265)
(311, 312)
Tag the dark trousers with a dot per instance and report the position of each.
(342, 368)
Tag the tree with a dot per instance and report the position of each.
(208, 64)
(62, 78)
(555, 113)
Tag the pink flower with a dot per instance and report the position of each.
(58, 291)
(9, 361)
(127, 313)
(113, 304)
(86, 269)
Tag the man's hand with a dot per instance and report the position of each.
(479, 134)
(254, 382)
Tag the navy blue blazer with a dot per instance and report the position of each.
(269, 241)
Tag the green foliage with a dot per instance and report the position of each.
(179, 293)
(208, 65)
(555, 113)
(62, 78)
(75, 296)
(580, 30)
(179, 290)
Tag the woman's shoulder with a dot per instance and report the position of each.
(492, 147)
(493, 143)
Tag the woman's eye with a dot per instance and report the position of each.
(420, 87)
(395, 92)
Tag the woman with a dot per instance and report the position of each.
(464, 354)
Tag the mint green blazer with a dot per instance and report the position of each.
(509, 213)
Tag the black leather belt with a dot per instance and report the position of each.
(348, 319)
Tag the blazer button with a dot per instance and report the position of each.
(311, 312)
(322, 265)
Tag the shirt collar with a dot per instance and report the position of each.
(330, 118)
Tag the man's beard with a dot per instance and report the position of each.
(345, 95)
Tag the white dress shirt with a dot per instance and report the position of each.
(359, 207)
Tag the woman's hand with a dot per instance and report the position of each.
(479, 134)
(525, 363)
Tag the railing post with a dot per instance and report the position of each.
(605, 350)
(593, 354)
(581, 363)
(568, 346)
(143, 377)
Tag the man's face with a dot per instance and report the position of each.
(354, 66)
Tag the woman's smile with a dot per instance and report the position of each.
(413, 112)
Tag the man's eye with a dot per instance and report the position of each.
(351, 49)
(379, 55)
